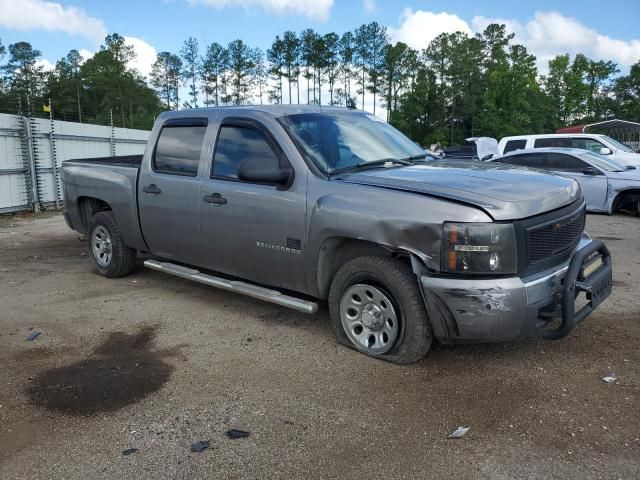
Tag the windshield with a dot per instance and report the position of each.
(603, 163)
(619, 145)
(339, 140)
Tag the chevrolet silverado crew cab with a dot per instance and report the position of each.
(300, 204)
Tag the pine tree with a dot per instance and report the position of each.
(214, 67)
(276, 58)
(191, 67)
(24, 76)
(291, 60)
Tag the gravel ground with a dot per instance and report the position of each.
(156, 363)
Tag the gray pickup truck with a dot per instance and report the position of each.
(297, 204)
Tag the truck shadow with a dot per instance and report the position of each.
(122, 370)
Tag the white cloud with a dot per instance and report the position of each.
(85, 54)
(28, 15)
(370, 6)
(417, 28)
(315, 9)
(546, 35)
(46, 65)
(550, 33)
(145, 55)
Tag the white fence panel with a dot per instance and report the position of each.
(36, 145)
(14, 179)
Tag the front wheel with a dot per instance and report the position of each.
(111, 257)
(377, 308)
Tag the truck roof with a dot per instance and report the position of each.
(568, 150)
(551, 135)
(273, 110)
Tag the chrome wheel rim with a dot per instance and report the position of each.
(369, 318)
(101, 246)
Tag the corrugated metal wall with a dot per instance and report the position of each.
(32, 150)
(14, 182)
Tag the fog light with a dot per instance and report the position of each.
(494, 261)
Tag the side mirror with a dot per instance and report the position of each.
(590, 171)
(605, 151)
(263, 170)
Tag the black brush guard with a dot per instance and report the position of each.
(597, 287)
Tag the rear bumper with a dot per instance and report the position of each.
(489, 310)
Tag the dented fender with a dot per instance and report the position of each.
(397, 220)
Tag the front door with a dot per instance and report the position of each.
(169, 191)
(250, 230)
(594, 184)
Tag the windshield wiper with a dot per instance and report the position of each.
(413, 158)
(630, 167)
(376, 163)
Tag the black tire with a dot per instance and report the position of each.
(397, 280)
(123, 258)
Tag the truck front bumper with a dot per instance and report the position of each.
(488, 310)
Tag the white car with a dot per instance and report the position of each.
(596, 143)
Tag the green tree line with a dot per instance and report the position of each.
(457, 86)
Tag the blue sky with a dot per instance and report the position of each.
(600, 29)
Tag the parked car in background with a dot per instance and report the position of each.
(475, 148)
(608, 185)
(296, 204)
(595, 143)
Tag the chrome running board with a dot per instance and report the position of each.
(244, 288)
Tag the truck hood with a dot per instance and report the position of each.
(504, 192)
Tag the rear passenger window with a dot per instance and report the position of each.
(565, 163)
(530, 160)
(237, 144)
(552, 142)
(178, 149)
(512, 145)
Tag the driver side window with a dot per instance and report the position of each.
(587, 144)
(239, 143)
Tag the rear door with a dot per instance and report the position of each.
(594, 185)
(252, 231)
(168, 191)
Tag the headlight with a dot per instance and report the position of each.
(479, 248)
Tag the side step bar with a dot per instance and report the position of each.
(244, 288)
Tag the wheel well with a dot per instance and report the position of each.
(89, 206)
(624, 198)
(337, 251)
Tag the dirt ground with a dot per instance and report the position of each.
(156, 363)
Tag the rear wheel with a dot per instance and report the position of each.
(376, 308)
(111, 257)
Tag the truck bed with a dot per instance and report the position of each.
(133, 161)
(113, 180)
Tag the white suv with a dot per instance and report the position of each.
(601, 144)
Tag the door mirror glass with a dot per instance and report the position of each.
(262, 170)
(590, 171)
(605, 151)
